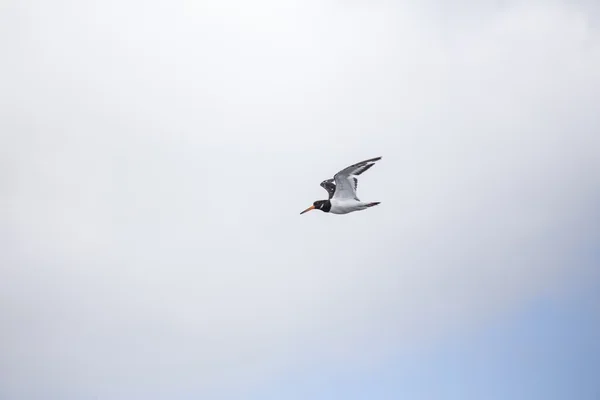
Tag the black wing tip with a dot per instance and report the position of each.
(370, 160)
(367, 164)
(362, 169)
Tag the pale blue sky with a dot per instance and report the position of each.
(548, 349)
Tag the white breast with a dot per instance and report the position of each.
(345, 206)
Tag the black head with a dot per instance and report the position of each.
(323, 205)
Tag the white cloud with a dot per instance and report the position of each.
(155, 159)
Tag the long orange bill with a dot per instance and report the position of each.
(308, 209)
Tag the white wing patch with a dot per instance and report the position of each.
(346, 181)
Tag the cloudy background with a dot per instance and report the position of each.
(154, 157)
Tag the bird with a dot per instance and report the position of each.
(342, 190)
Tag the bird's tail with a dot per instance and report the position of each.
(373, 204)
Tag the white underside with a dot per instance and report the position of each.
(346, 206)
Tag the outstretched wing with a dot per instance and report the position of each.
(329, 185)
(346, 182)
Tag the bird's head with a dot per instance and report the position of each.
(323, 205)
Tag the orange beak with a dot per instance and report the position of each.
(308, 209)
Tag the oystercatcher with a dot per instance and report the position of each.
(342, 190)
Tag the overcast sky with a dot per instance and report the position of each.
(155, 156)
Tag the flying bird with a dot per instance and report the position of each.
(342, 190)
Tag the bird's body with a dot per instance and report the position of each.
(342, 190)
(347, 206)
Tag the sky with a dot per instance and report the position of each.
(155, 157)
